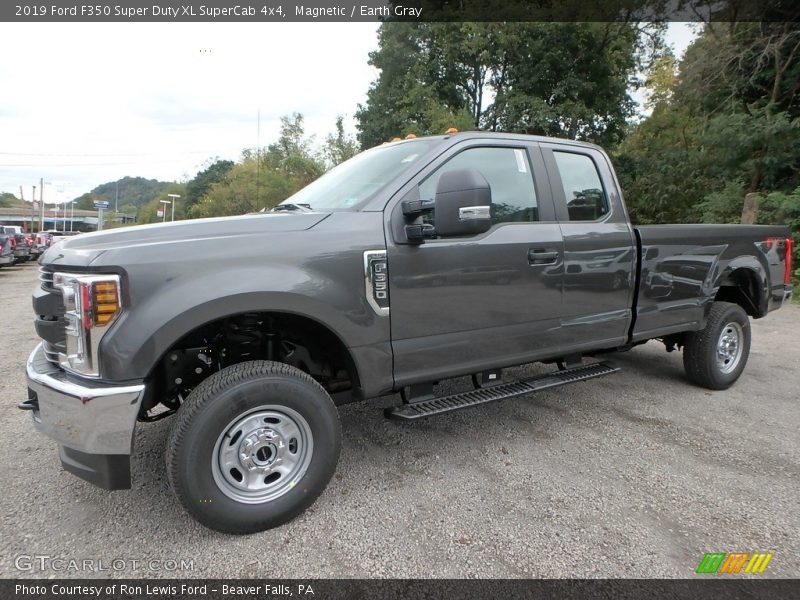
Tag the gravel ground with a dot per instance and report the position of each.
(634, 475)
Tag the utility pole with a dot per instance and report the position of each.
(33, 201)
(116, 200)
(41, 201)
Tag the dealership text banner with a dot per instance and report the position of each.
(411, 10)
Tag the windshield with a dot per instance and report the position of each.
(353, 182)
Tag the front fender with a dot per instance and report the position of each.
(142, 336)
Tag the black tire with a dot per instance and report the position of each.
(701, 362)
(238, 392)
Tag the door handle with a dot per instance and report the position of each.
(542, 256)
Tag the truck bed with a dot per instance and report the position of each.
(682, 268)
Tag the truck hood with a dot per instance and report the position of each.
(81, 250)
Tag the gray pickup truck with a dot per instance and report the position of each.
(414, 262)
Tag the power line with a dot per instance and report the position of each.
(50, 165)
(86, 164)
(105, 154)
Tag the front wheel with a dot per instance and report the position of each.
(252, 447)
(715, 356)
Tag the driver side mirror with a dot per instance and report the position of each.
(463, 203)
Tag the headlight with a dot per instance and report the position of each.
(91, 304)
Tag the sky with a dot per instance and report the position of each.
(87, 103)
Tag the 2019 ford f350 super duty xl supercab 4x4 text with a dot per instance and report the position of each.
(413, 262)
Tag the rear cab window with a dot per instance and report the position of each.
(583, 189)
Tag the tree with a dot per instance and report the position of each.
(339, 146)
(570, 80)
(214, 172)
(415, 90)
(659, 167)
(566, 79)
(661, 80)
(7, 199)
(721, 142)
(149, 212)
(263, 179)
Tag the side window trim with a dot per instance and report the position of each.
(541, 181)
(557, 186)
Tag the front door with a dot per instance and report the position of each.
(461, 305)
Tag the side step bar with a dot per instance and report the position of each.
(435, 406)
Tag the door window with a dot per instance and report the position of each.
(586, 200)
(508, 172)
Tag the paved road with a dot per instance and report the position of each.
(636, 475)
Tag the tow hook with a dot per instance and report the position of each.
(29, 404)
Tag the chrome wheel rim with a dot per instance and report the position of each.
(729, 347)
(262, 455)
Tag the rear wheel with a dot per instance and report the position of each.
(253, 446)
(715, 356)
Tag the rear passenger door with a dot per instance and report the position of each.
(599, 247)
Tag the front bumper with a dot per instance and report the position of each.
(93, 424)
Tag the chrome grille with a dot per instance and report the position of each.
(46, 279)
(51, 352)
(49, 318)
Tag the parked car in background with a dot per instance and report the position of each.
(57, 236)
(6, 251)
(22, 251)
(33, 247)
(44, 240)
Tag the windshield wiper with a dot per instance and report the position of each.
(301, 207)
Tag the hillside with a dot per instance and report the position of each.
(9, 200)
(134, 192)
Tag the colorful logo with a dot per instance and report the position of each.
(734, 562)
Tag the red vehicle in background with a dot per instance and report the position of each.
(43, 241)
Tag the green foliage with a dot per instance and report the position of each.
(248, 188)
(149, 212)
(660, 82)
(8, 200)
(263, 179)
(658, 167)
(565, 79)
(214, 172)
(726, 126)
(733, 67)
(759, 147)
(724, 205)
(339, 146)
(784, 208)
